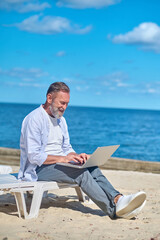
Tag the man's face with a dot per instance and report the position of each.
(59, 104)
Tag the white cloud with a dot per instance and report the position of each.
(22, 77)
(82, 88)
(146, 88)
(60, 53)
(146, 35)
(23, 74)
(24, 84)
(23, 6)
(81, 4)
(119, 82)
(152, 88)
(98, 93)
(50, 25)
(34, 7)
(115, 80)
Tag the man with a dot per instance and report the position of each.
(45, 142)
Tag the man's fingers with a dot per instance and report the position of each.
(74, 158)
(84, 156)
(78, 158)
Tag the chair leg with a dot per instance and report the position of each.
(80, 194)
(21, 204)
(36, 202)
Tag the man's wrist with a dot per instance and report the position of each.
(54, 159)
(72, 153)
(61, 159)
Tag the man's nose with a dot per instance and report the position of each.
(65, 106)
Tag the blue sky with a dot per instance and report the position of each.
(107, 51)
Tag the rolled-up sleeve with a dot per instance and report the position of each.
(32, 139)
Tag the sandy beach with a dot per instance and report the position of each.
(62, 216)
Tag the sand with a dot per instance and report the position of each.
(62, 217)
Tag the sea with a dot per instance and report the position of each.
(136, 131)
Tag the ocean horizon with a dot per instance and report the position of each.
(81, 106)
(137, 131)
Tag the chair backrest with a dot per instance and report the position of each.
(8, 181)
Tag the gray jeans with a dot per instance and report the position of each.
(91, 180)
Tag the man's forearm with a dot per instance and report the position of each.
(51, 159)
(72, 153)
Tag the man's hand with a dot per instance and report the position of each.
(73, 158)
(79, 158)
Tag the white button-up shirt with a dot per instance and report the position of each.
(33, 141)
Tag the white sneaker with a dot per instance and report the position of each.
(134, 212)
(130, 205)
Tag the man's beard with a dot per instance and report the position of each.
(56, 111)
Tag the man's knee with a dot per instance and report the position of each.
(84, 178)
(95, 171)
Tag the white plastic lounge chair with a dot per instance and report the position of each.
(5, 169)
(9, 182)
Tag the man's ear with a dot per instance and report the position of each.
(49, 98)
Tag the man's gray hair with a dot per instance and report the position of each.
(57, 87)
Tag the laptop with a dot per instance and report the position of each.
(98, 158)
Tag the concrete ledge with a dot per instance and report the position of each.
(10, 156)
(132, 165)
(9, 151)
